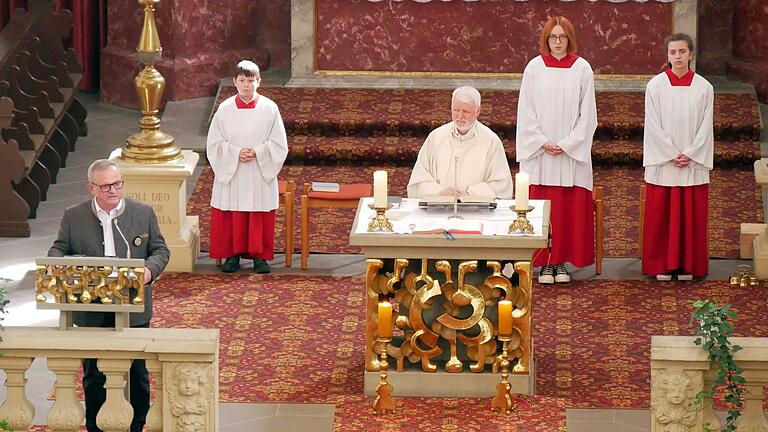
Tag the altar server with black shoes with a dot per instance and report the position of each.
(246, 148)
(556, 120)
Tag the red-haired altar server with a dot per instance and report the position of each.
(556, 120)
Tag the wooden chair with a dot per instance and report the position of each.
(286, 191)
(348, 196)
(597, 205)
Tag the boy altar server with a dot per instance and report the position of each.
(246, 148)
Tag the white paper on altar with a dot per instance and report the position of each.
(495, 222)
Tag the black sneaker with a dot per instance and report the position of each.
(561, 274)
(260, 266)
(231, 265)
(547, 275)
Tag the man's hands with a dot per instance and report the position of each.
(681, 161)
(552, 149)
(247, 155)
(449, 191)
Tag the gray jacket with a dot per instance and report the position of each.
(81, 234)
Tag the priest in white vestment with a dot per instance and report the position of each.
(678, 147)
(556, 121)
(463, 157)
(246, 148)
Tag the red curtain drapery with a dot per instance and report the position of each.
(89, 31)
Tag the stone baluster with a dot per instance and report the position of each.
(155, 414)
(116, 413)
(753, 419)
(17, 410)
(67, 413)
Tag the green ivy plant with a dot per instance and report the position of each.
(3, 303)
(713, 334)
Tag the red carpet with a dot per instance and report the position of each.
(415, 112)
(300, 339)
(544, 414)
(734, 190)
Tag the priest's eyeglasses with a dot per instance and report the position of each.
(558, 38)
(106, 187)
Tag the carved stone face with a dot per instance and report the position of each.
(188, 384)
(676, 396)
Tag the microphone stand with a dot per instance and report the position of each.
(455, 189)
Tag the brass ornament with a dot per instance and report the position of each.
(150, 145)
(380, 223)
(86, 284)
(448, 329)
(521, 224)
(502, 402)
(384, 404)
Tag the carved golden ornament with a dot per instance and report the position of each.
(474, 333)
(521, 224)
(502, 402)
(380, 223)
(68, 283)
(150, 145)
(384, 404)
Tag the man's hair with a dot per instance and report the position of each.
(567, 28)
(467, 94)
(246, 68)
(99, 165)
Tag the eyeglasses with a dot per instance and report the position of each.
(105, 188)
(558, 38)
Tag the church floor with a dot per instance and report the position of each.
(108, 128)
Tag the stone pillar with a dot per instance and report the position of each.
(17, 410)
(188, 400)
(201, 45)
(760, 243)
(67, 412)
(164, 187)
(117, 413)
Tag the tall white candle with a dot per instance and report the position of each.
(522, 182)
(380, 189)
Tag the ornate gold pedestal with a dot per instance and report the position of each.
(461, 324)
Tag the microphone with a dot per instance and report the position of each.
(127, 246)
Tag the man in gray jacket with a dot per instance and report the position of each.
(108, 225)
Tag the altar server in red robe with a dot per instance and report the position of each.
(246, 148)
(678, 146)
(556, 120)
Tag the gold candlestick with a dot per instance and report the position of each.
(744, 277)
(150, 145)
(521, 224)
(502, 402)
(384, 403)
(380, 223)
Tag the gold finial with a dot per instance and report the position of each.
(150, 145)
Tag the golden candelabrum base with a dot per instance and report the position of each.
(384, 403)
(150, 145)
(502, 402)
(521, 224)
(744, 276)
(380, 223)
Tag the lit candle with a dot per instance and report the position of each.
(505, 318)
(522, 181)
(385, 319)
(380, 189)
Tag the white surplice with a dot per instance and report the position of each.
(246, 186)
(557, 105)
(477, 156)
(678, 119)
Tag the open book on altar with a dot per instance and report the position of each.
(465, 201)
(453, 226)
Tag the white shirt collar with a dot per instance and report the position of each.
(101, 212)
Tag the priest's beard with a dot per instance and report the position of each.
(463, 126)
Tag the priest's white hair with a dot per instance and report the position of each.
(467, 94)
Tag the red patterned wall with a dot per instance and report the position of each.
(750, 45)
(486, 37)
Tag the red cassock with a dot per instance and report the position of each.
(572, 226)
(675, 229)
(249, 234)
